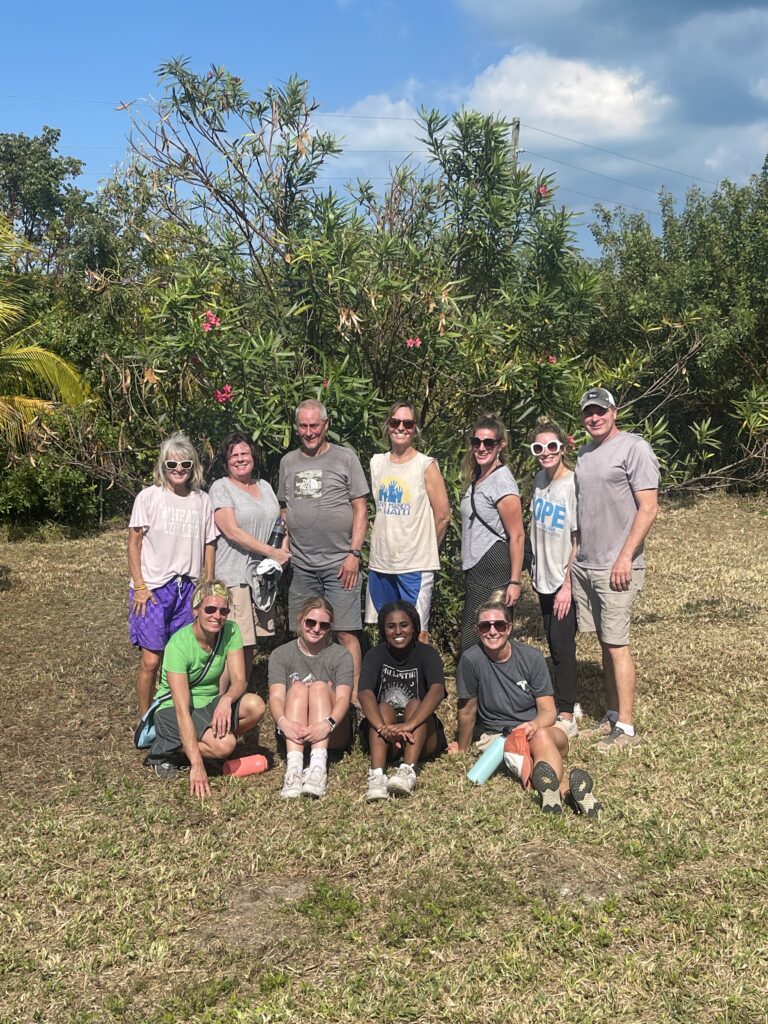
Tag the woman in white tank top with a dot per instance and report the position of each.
(412, 516)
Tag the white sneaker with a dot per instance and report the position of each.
(377, 786)
(568, 725)
(315, 781)
(403, 782)
(292, 784)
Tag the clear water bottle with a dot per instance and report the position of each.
(277, 535)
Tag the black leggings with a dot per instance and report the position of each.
(489, 574)
(561, 637)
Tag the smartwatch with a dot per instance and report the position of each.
(331, 721)
(356, 552)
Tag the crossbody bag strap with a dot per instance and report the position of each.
(201, 675)
(477, 515)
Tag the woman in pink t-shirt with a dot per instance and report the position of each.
(171, 544)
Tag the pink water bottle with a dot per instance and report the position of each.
(251, 765)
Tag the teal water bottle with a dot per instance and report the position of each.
(488, 762)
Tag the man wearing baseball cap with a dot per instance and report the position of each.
(617, 483)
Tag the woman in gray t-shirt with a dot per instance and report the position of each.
(310, 689)
(492, 532)
(245, 511)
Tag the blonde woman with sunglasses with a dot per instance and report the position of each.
(171, 543)
(204, 714)
(310, 690)
(553, 541)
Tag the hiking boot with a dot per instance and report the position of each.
(292, 784)
(547, 785)
(165, 769)
(616, 741)
(581, 785)
(517, 756)
(403, 782)
(568, 725)
(600, 730)
(315, 781)
(377, 786)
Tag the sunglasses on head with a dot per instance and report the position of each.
(317, 624)
(395, 423)
(500, 625)
(213, 609)
(172, 464)
(550, 448)
(489, 443)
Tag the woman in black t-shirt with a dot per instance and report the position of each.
(401, 685)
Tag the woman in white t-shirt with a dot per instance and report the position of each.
(412, 515)
(553, 541)
(171, 544)
(492, 531)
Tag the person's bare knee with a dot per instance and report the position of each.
(252, 710)
(218, 748)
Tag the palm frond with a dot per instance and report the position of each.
(32, 364)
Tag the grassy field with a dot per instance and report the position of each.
(123, 899)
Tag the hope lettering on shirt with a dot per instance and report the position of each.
(549, 514)
(180, 522)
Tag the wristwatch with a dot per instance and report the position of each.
(356, 552)
(331, 721)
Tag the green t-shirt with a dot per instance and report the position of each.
(184, 655)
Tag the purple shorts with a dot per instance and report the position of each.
(171, 609)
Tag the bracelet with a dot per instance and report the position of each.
(515, 583)
(142, 587)
(277, 725)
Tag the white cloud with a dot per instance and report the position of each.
(377, 132)
(568, 96)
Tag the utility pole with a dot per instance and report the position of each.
(514, 141)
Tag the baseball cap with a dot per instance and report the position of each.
(598, 396)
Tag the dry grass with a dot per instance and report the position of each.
(124, 900)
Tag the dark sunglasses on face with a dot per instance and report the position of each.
(489, 443)
(316, 624)
(408, 424)
(551, 447)
(500, 625)
(213, 609)
(184, 464)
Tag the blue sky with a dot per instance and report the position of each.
(680, 85)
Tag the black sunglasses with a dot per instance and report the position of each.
(408, 424)
(172, 464)
(500, 625)
(315, 624)
(211, 609)
(489, 443)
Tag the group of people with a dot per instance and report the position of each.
(586, 535)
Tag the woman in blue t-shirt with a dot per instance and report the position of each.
(401, 685)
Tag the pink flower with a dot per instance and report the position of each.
(207, 327)
(210, 320)
(413, 342)
(223, 395)
(543, 190)
(571, 441)
(552, 359)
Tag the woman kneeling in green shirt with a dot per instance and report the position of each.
(206, 716)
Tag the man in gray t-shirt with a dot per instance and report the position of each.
(617, 481)
(322, 490)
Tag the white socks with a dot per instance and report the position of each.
(628, 729)
(295, 760)
(319, 759)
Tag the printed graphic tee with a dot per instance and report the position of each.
(317, 491)
(176, 530)
(553, 520)
(290, 666)
(403, 538)
(396, 680)
(506, 691)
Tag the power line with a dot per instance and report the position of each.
(586, 170)
(621, 156)
(610, 202)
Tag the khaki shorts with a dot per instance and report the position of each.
(602, 610)
(252, 622)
